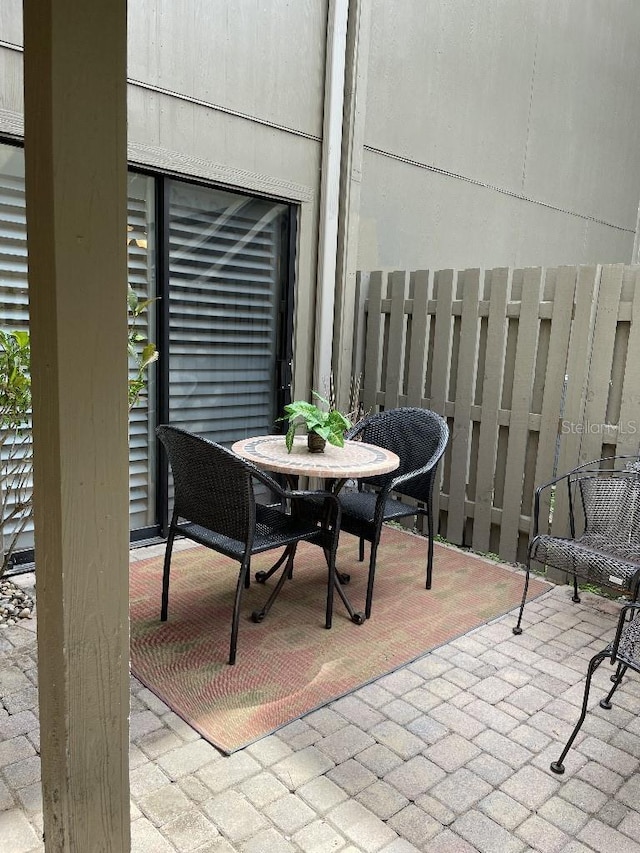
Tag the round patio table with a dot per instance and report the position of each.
(336, 464)
(355, 459)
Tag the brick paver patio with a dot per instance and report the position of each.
(448, 754)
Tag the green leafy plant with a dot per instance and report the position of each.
(142, 352)
(329, 424)
(16, 454)
(16, 450)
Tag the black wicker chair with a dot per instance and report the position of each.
(623, 652)
(419, 437)
(604, 497)
(214, 505)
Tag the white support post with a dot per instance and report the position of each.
(75, 150)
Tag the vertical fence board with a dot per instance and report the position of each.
(373, 341)
(601, 361)
(580, 345)
(629, 428)
(444, 281)
(360, 323)
(396, 340)
(465, 386)
(520, 406)
(419, 338)
(491, 391)
(554, 381)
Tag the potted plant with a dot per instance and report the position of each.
(322, 425)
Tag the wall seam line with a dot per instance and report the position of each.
(502, 190)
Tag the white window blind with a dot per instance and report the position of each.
(141, 263)
(14, 312)
(14, 309)
(226, 266)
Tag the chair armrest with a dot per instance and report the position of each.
(313, 497)
(323, 508)
(410, 475)
(536, 501)
(267, 480)
(279, 490)
(356, 429)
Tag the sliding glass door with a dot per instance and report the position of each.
(227, 260)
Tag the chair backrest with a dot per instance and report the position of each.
(627, 643)
(212, 486)
(611, 504)
(417, 436)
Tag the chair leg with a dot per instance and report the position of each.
(263, 577)
(616, 677)
(372, 575)
(576, 596)
(617, 681)
(361, 550)
(165, 577)
(289, 554)
(235, 620)
(594, 663)
(331, 566)
(430, 544)
(518, 629)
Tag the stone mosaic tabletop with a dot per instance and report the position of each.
(355, 459)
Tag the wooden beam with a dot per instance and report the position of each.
(75, 152)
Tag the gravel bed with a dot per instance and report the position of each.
(15, 603)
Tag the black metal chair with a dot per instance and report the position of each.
(623, 652)
(419, 437)
(215, 505)
(607, 551)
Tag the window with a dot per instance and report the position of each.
(219, 263)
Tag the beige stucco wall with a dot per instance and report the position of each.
(495, 133)
(242, 102)
(531, 106)
(231, 93)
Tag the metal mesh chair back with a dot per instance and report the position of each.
(212, 486)
(417, 436)
(627, 651)
(610, 507)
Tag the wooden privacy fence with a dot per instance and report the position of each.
(536, 370)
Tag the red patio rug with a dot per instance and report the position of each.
(290, 664)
